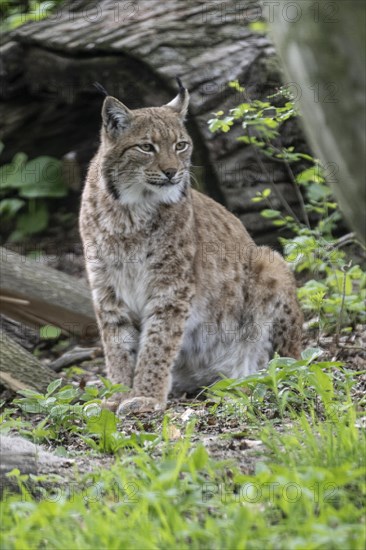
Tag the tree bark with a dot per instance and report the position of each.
(37, 295)
(20, 369)
(323, 46)
(135, 49)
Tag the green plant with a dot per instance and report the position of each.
(287, 386)
(24, 187)
(104, 436)
(16, 13)
(337, 295)
(306, 492)
(66, 409)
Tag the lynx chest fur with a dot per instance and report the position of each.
(182, 294)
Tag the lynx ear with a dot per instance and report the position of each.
(116, 116)
(180, 103)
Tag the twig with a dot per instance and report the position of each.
(12, 300)
(344, 268)
(342, 241)
(299, 196)
(75, 355)
(345, 346)
(283, 201)
(298, 193)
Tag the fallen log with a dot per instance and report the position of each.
(135, 50)
(19, 454)
(19, 369)
(37, 295)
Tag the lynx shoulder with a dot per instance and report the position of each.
(181, 292)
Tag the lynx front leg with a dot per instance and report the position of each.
(120, 336)
(160, 344)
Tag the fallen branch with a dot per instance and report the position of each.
(73, 356)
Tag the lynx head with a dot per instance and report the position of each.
(146, 152)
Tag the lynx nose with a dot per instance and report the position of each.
(170, 173)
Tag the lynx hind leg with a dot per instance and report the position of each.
(277, 294)
(287, 329)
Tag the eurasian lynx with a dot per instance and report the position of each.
(181, 292)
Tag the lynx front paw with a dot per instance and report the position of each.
(136, 405)
(113, 402)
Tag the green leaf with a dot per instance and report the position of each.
(270, 123)
(34, 221)
(245, 139)
(11, 174)
(42, 177)
(310, 354)
(310, 174)
(241, 110)
(214, 125)
(9, 207)
(317, 192)
(236, 85)
(268, 213)
(199, 457)
(31, 393)
(49, 332)
(104, 424)
(15, 472)
(67, 393)
(53, 386)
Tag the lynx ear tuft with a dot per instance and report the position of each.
(180, 103)
(101, 89)
(116, 116)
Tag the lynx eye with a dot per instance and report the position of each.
(181, 146)
(146, 147)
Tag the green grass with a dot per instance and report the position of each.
(306, 490)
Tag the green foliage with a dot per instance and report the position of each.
(14, 13)
(287, 386)
(24, 187)
(337, 295)
(338, 299)
(66, 408)
(102, 426)
(57, 409)
(306, 491)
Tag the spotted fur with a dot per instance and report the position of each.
(181, 292)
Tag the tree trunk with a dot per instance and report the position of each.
(135, 49)
(37, 295)
(322, 46)
(20, 369)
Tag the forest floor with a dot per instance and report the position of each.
(279, 432)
